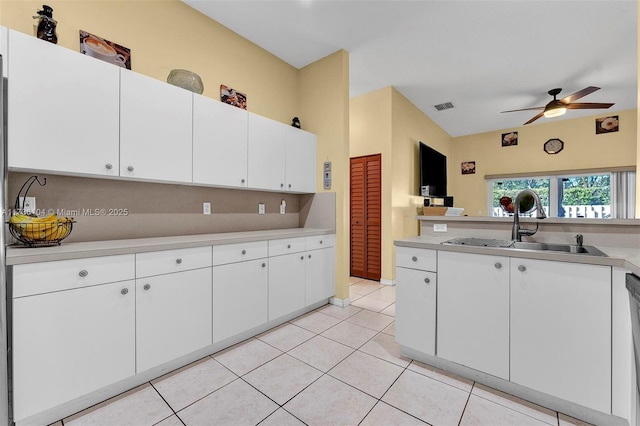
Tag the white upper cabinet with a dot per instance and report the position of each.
(4, 49)
(300, 160)
(219, 143)
(155, 129)
(63, 109)
(266, 153)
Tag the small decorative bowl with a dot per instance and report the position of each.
(187, 80)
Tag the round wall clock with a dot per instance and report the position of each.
(553, 146)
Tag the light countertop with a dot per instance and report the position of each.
(17, 255)
(628, 258)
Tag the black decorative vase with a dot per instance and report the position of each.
(46, 25)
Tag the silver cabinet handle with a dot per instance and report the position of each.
(282, 185)
(244, 252)
(108, 166)
(289, 185)
(427, 280)
(83, 273)
(264, 265)
(522, 268)
(147, 286)
(241, 180)
(498, 265)
(178, 261)
(309, 256)
(130, 168)
(124, 291)
(320, 241)
(301, 257)
(288, 245)
(415, 259)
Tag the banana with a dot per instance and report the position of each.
(20, 218)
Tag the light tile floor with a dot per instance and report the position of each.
(333, 366)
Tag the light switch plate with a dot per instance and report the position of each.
(206, 208)
(261, 208)
(28, 204)
(439, 227)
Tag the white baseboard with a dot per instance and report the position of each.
(343, 303)
(387, 282)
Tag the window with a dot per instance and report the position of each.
(597, 195)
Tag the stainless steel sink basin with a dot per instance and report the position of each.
(525, 245)
(566, 248)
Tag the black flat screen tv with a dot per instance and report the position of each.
(433, 172)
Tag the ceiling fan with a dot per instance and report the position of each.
(558, 107)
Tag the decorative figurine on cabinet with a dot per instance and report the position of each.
(295, 122)
(46, 25)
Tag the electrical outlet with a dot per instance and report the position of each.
(28, 204)
(283, 207)
(261, 208)
(439, 227)
(206, 208)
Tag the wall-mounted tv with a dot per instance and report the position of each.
(433, 172)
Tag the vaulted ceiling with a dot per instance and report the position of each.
(483, 56)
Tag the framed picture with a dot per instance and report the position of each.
(468, 167)
(233, 97)
(105, 50)
(607, 124)
(510, 139)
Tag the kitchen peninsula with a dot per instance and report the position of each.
(553, 328)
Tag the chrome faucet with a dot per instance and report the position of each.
(516, 232)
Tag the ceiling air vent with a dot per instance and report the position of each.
(442, 107)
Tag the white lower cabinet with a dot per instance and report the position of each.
(319, 275)
(473, 311)
(561, 330)
(240, 292)
(173, 316)
(70, 343)
(416, 309)
(286, 284)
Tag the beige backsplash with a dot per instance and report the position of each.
(154, 209)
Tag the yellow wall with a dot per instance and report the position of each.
(324, 101)
(386, 122)
(168, 34)
(583, 149)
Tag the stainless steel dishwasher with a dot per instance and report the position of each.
(633, 285)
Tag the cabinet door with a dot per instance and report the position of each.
(266, 153)
(63, 109)
(286, 284)
(219, 143)
(561, 330)
(155, 129)
(319, 275)
(473, 311)
(416, 309)
(69, 343)
(300, 160)
(239, 297)
(173, 316)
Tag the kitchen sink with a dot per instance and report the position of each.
(566, 248)
(526, 245)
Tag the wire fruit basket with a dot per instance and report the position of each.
(34, 231)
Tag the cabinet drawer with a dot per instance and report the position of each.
(231, 253)
(422, 259)
(168, 261)
(286, 246)
(320, 241)
(46, 277)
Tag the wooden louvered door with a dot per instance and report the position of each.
(366, 215)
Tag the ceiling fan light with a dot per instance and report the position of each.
(555, 112)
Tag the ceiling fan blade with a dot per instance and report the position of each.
(525, 109)
(579, 94)
(589, 105)
(534, 118)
